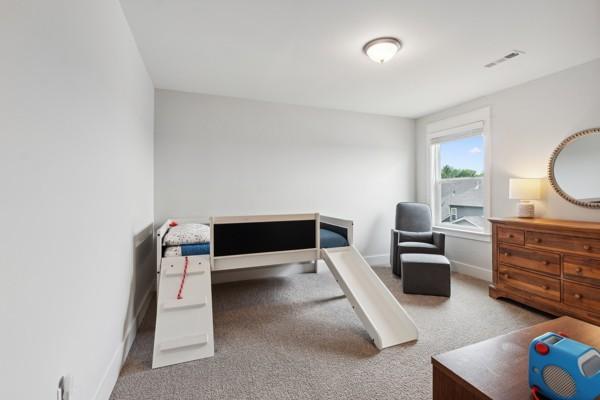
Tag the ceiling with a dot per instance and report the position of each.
(309, 52)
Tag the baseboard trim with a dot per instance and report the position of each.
(472, 270)
(109, 379)
(378, 260)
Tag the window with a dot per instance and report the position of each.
(459, 173)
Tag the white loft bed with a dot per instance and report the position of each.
(184, 329)
(237, 261)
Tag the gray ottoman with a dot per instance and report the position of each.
(425, 274)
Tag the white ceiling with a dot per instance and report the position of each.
(309, 52)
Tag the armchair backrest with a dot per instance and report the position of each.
(413, 217)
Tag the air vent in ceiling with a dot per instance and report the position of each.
(507, 57)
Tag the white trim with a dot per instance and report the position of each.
(479, 120)
(461, 120)
(474, 271)
(464, 233)
(457, 132)
(109, 379)
(378, 260)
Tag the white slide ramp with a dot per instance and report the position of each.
(385, 319)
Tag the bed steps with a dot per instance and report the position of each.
(184, 341)
(384, 318)
(184, 327)
(172, 304)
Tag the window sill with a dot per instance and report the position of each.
(464, 234)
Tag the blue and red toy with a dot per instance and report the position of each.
(563, 369)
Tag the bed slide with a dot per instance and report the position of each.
(385, 319)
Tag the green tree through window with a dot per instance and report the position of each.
(449, 172)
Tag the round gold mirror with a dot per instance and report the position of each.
(574, 168)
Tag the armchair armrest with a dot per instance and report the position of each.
(439, 240)
(394, 247)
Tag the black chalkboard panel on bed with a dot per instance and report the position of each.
(263, 237)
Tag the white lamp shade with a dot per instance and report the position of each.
(524, 189)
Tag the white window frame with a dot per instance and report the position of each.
(463, 125)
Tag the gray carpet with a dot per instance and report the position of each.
(298, 338)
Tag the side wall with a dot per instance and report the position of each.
(528, 122)
(76, 147)
(226, 156)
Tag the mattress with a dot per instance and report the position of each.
(187, 233)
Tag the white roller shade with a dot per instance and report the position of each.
(459, 132)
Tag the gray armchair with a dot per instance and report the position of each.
(413, 234)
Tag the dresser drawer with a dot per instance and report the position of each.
(581, 296)
(529, 282)
(534, 260)
(563, 243)
(510, 235)
(582, 269)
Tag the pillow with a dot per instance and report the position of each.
(187, 234)
(423, 237)
(172, 251)
(331, 239)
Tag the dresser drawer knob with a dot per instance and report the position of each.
(537, 240)
(546, 287)
(510, 236)
(587, 247)
(506, 254)
(505, 275)
(546, 262)
(577, 296)
(578, 270)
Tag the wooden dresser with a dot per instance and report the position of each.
(551, 265)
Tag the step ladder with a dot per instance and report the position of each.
(184, 327)
(384, 318)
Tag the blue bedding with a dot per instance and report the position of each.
(195, 249)
(332, 239)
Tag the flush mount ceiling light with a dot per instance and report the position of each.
(382, 49)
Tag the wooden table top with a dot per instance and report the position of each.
(497, 368)
(559, 224)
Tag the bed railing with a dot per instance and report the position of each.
(344, 227)
(261, 240)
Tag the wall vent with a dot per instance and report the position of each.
(507, 57)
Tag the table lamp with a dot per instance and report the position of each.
(524, 190)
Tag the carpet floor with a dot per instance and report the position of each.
(297, 338)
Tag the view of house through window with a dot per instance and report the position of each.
(460, 182)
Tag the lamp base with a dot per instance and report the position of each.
(525, 210)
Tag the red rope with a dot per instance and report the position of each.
(185, 268)
(534, 393)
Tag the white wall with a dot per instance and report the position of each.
(528, 122)
(583, 154)
(222, 156)
(76, 154)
